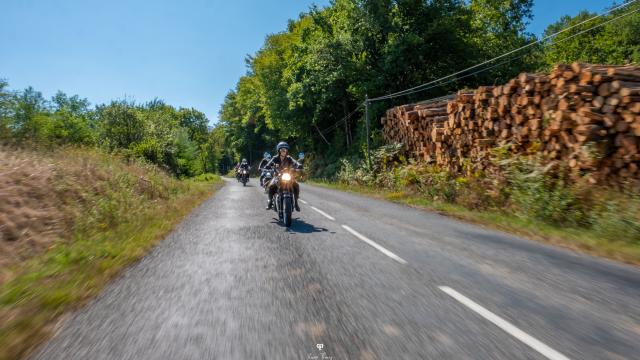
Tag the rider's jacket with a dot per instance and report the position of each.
(263, 164)
(287, 162)
(244, 166)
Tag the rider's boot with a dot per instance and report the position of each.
(269, 204)
(295, 205)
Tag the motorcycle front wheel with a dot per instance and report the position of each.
(287, 210)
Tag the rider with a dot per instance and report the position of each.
(244, 165)
(262, 167)
(283, 160)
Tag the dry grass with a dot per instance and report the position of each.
(45, 193)
(29, 216)
(72, 219)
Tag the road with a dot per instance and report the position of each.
(367, 279)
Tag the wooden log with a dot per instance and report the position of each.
(604, 89)
(576, 88)
(600, 78)
(628, 91)
(598, 102)
(614, 100)
(630, 73)
(630, 99)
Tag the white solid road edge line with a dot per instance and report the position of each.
(302, 201)
(323, 213)
(505, 325)
(375, 245)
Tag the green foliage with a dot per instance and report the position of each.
(183, 155)
(616, 42)
(519, 187)
(29, 119)
(6, 110)
(177, 139)
(120, 125)
(310, 76)
(208, 177)
(535, 193)
(616, 219)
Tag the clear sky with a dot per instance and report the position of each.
(188, 53)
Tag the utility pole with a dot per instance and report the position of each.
(366, 117)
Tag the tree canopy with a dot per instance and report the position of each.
(310, 76)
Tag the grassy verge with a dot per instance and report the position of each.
(118, 211)
(584, 240)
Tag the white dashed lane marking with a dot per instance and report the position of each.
(323, 213)
(503, 324)
(375, 245)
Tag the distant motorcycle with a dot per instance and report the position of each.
(267, 176)
(283, 199)
(244, 176)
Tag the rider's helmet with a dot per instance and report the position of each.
(282, 145)
(267, 155)
(244, 161)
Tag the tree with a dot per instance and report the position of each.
(30, 116)
(616, 42)
(71, 120)
(184, 159)
(120, 125)
(7, 106)
(195, 122)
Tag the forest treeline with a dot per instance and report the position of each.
(178, 140)
(307, 78)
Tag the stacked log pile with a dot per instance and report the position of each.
(415, 123)
(582, 115)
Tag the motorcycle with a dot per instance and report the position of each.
(267, 176)
(283, 198)
(244, 176)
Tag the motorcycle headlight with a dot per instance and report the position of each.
(286, 177)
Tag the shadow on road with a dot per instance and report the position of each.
(300, 226)
(248, 185)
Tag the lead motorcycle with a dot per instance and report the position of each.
(283, 199)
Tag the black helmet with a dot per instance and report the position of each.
(282, 145)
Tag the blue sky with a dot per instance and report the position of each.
(188, 53)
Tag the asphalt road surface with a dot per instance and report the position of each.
(353, 278)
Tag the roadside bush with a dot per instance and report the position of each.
(519, 186)
(207, 177)
(543, 193)
(617, 218)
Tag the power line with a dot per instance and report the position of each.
(415, 88)
(339, 122)
(444, 97)
(453, 77)
(521, 56)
